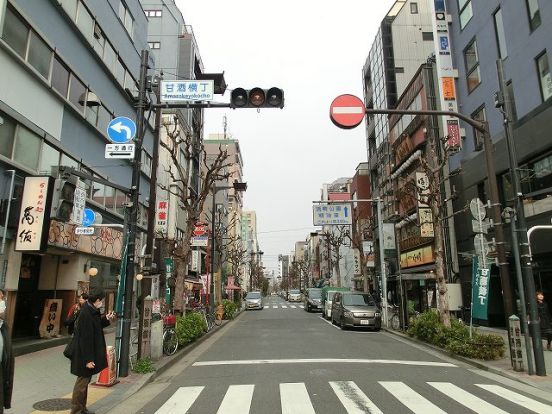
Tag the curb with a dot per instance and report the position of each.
(472, 362)
(167, 362)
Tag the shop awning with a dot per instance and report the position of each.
(416, 273)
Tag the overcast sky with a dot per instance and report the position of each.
(315, 51)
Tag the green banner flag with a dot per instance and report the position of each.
(480, 289)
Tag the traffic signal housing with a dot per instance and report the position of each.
(257, 98)
(64, 198)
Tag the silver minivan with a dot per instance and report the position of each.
(355, 309)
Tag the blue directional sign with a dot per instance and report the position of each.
(89, 217)
(331, 214)
(121, 130)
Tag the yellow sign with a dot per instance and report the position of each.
(449, 92)
(423, 255)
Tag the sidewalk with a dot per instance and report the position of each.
(501, 366)
(43, 378)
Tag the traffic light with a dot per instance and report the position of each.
(257, 98)
(63, 198)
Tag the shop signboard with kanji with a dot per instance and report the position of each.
(161, 216)
(32, 229)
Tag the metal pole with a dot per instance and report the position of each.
(145, 283)
(379, 203)
(515, 248)
(526, 265)
(135, 190)
(212, 281)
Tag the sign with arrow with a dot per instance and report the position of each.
(122, 151)
(332, 214)
(121, 130)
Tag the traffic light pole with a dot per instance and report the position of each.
(133, 219)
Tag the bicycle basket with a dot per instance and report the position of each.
(169, 320)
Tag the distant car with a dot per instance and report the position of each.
(294, 295)
(313, 299)
(355, 309)
(253, 300)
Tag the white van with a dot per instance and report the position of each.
(327, 311)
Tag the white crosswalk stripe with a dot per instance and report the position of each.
(410, 398)
(293, 306)
(295, 399)
(237, 399)
(181, 401)
(468, 400)
(353, 399)
(275, 307)
(516, 398)
(284, 307)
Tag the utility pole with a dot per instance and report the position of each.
(146, 282)
(525, 257)
(213, 222)
(133, 218)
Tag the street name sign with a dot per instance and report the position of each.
(84, 231)
(332, 214)
(202, 241)
(347, 111)
(121, 130)
(187, 90)
(120, 151)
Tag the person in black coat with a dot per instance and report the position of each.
(89, 355)
(7, 369)
(545, 319)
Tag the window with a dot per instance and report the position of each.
(60, 77)
(154, 45)
(76, 93)
(85, 23)
(126, 17)
(471, 60)
(27, 148)
(153, 13)
(500, 36)
(49, 159)
(545, 79)
(478, 115)
(427, 35)
(534, 13)
(7, 134)
(119, 72)
(99, 40)
(104, 118)
(92, 113)
(466, 12)
(40, 55)
(109, 56)
(15, 32)
(70, 7)
(413, 8)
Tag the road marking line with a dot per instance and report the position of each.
(180, 401)
(237, 399)
(292, 306)
(302, 306)
(275, 307)
(518, 399)
(347, 110)
(284, 307)
(410, 398)
(468, 400)
(295, 399)
(323, 360)
(330, 323)
(353, 399)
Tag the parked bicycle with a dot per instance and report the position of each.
(170, 338)
(210, 318)
(393, 315)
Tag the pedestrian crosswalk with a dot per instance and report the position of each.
(295, 398)
(280, 306)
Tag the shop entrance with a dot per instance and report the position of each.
(28, 308)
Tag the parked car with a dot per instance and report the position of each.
(327, 299)
(355, 309)
(253, 300)
(294, 295)
(313, 299)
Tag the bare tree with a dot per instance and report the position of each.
(190, 199)
(336, 238)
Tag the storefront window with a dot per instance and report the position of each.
(7, 134)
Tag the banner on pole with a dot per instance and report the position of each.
(480, 289)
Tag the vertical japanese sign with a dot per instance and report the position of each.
(480, 289)
(32, 229)
(196, 261)
(79, 202)
(445, 71)
(161, 216)
(425, 217)
(368, 250)
(356, 262)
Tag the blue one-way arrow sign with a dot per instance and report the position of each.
(121, 130)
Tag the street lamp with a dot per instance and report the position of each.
(237, 186)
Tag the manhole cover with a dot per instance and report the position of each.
(55, 404)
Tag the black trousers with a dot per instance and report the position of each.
(80, 395)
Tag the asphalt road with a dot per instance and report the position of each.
(284, 360)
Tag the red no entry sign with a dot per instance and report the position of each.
(199, 229)
(347, 111)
